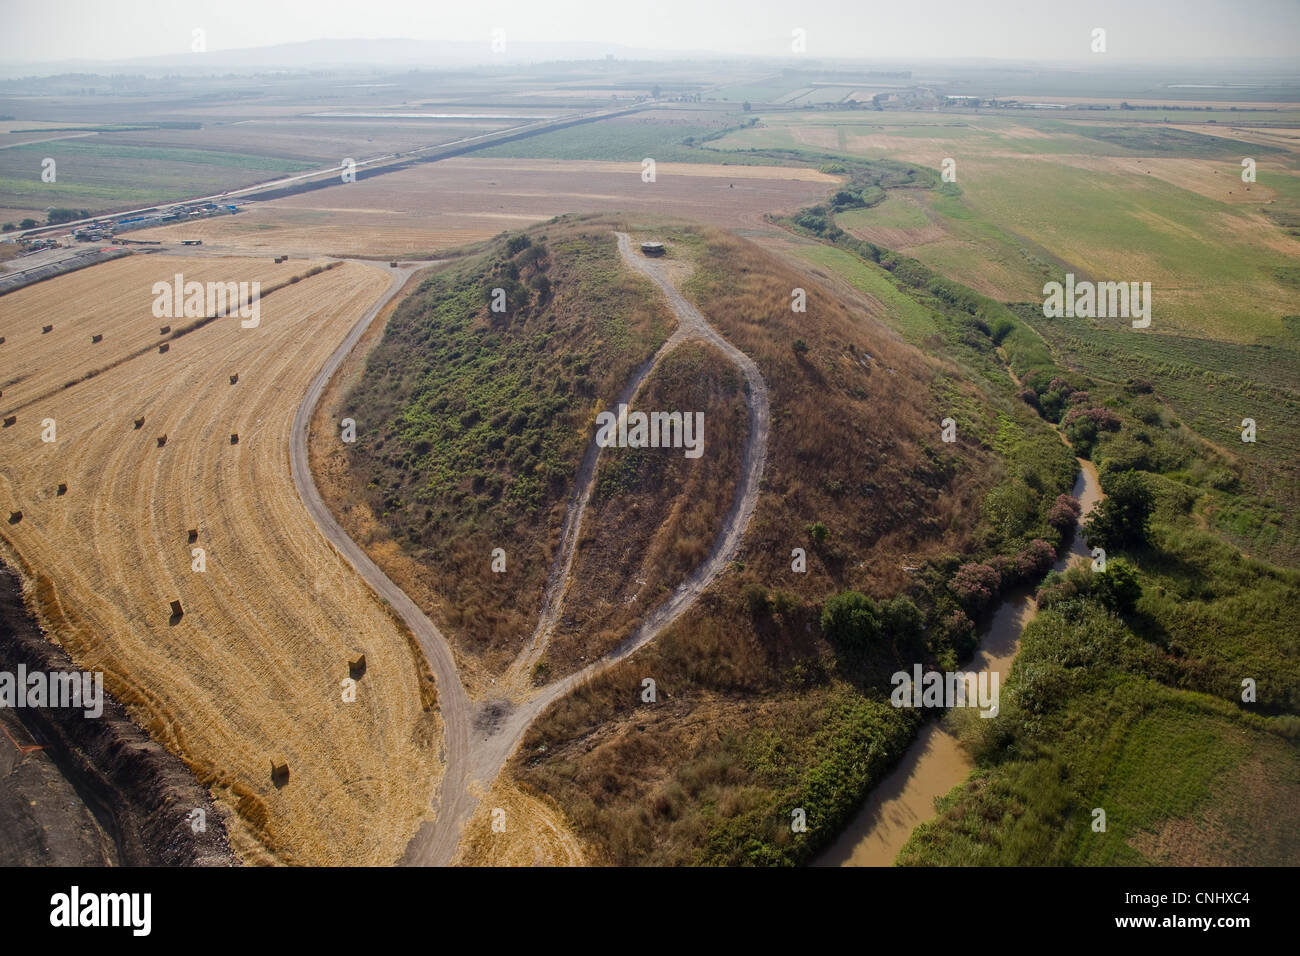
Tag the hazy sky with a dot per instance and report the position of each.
(1013, 29)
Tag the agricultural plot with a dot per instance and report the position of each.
(101, 177)
(251, 669)
(114, 301)
(1036, 198)
(432, 207)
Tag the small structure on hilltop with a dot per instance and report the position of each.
(653, 248)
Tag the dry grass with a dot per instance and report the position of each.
(530, 831)
(655, 514)
(254, 665)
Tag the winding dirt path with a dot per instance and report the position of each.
(480, 736)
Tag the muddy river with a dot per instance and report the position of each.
(935, 763)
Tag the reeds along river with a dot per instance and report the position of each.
(935, 763)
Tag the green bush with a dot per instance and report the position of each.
(850, 620)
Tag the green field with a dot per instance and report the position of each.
(103, 177)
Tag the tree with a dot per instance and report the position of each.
(1120, 519)
(654, 92)
(901, 619)
(1118, 587)
(1064, 513)
(975, 585)
(27, 224)
(745, 106)
(850, 620)
(56, 217)
(818, 532)
(9, 227)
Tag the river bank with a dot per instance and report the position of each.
(936, 762)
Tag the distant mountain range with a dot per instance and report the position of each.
(315, 54)
(435, 54)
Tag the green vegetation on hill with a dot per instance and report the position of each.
(471, 423)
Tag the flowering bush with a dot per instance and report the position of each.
(1103, 418)
(975, 585)
(1035, 559)
(1064, 513)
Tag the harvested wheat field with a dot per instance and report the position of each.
(113, 300)
(431, 207)
(512, 827)
(253, 668)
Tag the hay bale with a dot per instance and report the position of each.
(194, 535)
(162, 440)
(2, 340)
(163, 348)
(164, 330)
(96, 338)
(62, 489)
(139, 423)
(356, 664)
(234, 438)
(10, 420)
(279, 770)
(234, 378)
(392, 265)
(177, 610)
(46, 328)
(15, 517)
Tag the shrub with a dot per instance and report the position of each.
(1120, 519)
(1034, 560)
(784, 603)
(1118, 587)
(850, 620)
(901, 619)
(756, 600)
(1064, 513)
(818, 532)
(975, 585)
(958, 631)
